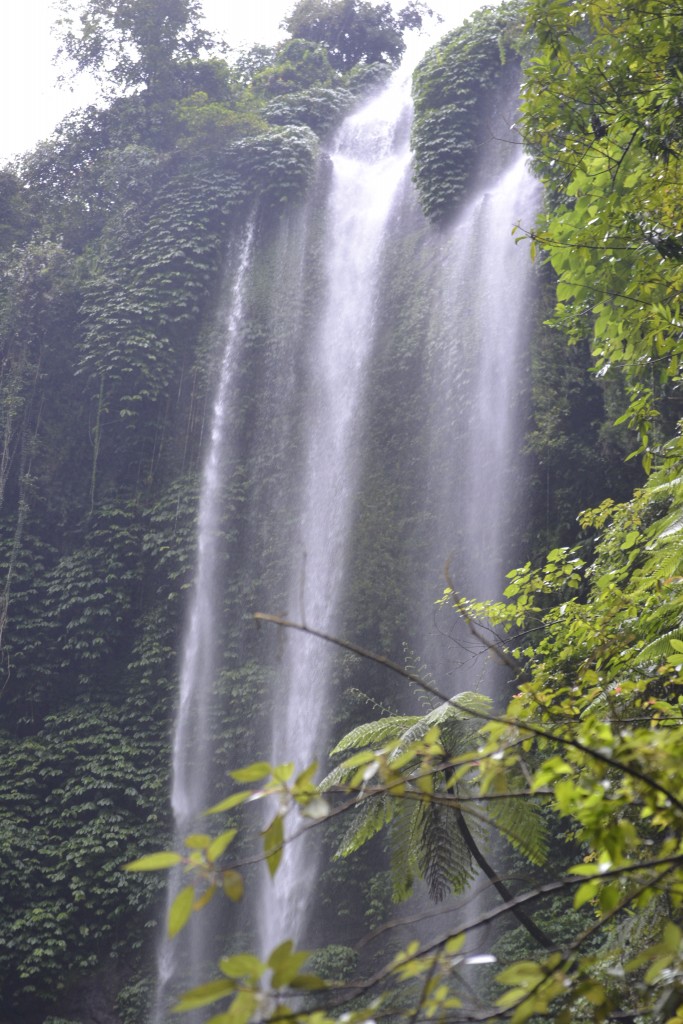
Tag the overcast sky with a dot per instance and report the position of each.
(31, 102)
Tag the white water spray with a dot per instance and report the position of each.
(474, 482)
(314, 393)
(370, 161)
(192, 748)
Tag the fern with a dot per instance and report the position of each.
(337, 777)
(373, 734)
(353, 691)
(373, 814)
(468, 705)
(660, 648)
(456, 723)
(429, 839)
(415, 666)
(442, 856)
(522, 823)
(403, 845)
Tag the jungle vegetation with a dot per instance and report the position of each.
(113, 233)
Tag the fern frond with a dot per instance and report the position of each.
(667, 487)
(337, 777)
(415, 665)
(443, 858)
(457, 724)
(353, 691)
(372, 814)
(373, 734)
(668, 557)
(403, 847)
(522, 823)
(671, 525)
(661, 647)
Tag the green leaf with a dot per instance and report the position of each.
(233, 885)
(154, 862)
(586, 892)
(630, 539)
(374, 734)
(198, 841)
(283, 772)
(309, 982)
(219, 845)
(205, 898)
(285, 964)
(181, 910)
(455, 944)
(242, 965)
(252, 773)
(273, 838)
(241, 1009)
(204, 994)
(230, 802)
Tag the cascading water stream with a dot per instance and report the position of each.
(192, 751)
(191, 758)
(475, 483)
(475, 480)
(370, 161)
(491, 473)
(331, 367)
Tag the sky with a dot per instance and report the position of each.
(31, 100)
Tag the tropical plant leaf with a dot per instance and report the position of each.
(442, 856)
(338, 776)
(522, 823)
(456, 723)
(372, 814)
(660, 648)
(403, 845)
(374, 734)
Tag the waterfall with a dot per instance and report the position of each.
(370, 160)
(381, 395)
(192, 749)
(474, 483)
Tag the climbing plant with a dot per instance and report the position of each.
(453, 116)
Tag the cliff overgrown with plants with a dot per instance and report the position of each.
(114, 235)
(591, 638)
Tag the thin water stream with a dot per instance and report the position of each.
(192, 749)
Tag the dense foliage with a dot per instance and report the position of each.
(115, 233)
(602, 117)
(463, 91)
(133, 43)
(354, 31)
(113, 236)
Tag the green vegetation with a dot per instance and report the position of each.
(592, 639)
(354, 31)
(133, 44)
(113, 236)
(602, 119)
(456, 88)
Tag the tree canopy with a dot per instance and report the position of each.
(601, 115)
(354, 31)
(131, 43)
